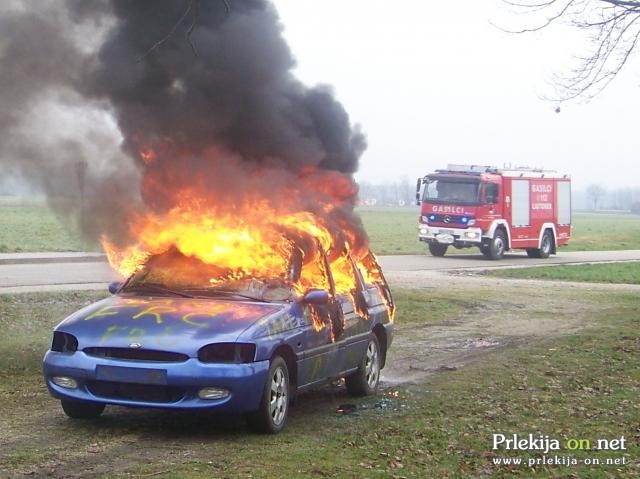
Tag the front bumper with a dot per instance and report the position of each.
(446, 235)
(157, 384)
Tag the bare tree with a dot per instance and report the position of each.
(612, 26)
(594, 193)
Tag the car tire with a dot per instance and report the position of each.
(497, 246)
(271, 416)
(82, 409)
(365, 380)
(437, 249)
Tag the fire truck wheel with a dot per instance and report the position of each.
(497, 246)
(437, 249)
(546, 245)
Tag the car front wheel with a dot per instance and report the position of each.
(365, 380)
(272, 414)
(82, 409)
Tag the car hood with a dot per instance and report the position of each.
(163, 323)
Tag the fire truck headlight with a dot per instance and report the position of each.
(424, 231)
(471, 234)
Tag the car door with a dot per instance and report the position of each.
(318, 345)
(353, 342)
(380, 303)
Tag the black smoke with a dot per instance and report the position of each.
(179, 77)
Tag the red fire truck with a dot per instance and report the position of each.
(494, 209)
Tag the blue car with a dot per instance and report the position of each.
(242, 346)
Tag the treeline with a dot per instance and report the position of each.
(594, 197)
(402, 192)
(597, 197)
(398, 193)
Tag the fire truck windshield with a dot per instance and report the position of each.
(451, 190)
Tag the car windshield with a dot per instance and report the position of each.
(451, 190)
(172, 273)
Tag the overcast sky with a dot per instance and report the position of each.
(434, 83)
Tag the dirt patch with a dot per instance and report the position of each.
(504, 313)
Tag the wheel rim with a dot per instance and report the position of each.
(279, 396)
(546, 244)
(499, 245)
(372, 365)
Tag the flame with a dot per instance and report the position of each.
(255, 237)
(147, 155)
(316, 320)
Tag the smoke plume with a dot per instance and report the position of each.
(112, 107)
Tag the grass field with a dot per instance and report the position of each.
(583, 386)
(394, 231)
(627, 273)
(34, 228)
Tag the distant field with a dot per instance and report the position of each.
(625, 273)
(592, 232)
(394, 231)
(33, 227)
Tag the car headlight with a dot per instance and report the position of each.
(64, 342)
(227, 353)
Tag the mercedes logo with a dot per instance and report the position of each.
(135, 345)
(447, 219)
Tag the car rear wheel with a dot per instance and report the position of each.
(272, 414)
(437, 249)
(365, 380)
(82, 409)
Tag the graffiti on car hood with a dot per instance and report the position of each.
(162, 322)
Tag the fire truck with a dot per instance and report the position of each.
(495, 210)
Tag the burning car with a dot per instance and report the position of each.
(225, 197)
(181, 333)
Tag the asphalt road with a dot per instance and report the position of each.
(520, 260)
(60, 274)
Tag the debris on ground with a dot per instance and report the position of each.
(479, 343)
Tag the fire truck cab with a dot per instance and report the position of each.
(495, 210)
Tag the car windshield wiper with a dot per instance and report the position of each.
(227, 292)
(157, 288)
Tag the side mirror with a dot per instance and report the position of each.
(316, 296)
(418, 186)
(115, 287)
